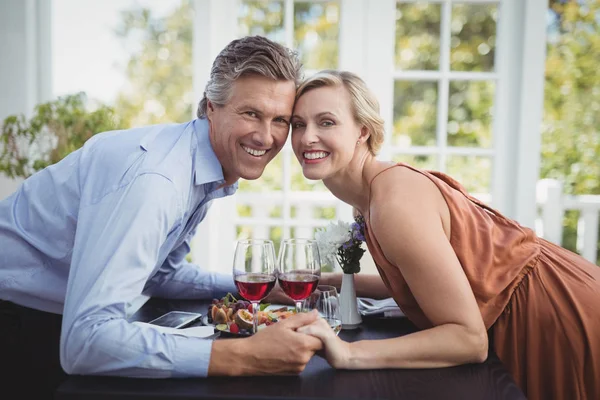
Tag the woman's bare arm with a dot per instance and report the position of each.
(367, 285)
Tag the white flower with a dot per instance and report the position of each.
(331, 238)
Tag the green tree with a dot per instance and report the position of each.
(55, 129)
(159, 71)
(571, 125)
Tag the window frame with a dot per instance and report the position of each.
(367, 47)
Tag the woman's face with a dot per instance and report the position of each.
(324, 132)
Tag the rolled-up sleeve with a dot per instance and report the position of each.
(117, 246)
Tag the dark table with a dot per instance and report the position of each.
(489, 380)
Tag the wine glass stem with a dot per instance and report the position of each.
(298, 306)
(255, 316)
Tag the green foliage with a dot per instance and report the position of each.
(469, 123)
(159, 72)
(572, 97)
(571, 126)
(54, 130)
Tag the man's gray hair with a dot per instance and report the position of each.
(251, 55)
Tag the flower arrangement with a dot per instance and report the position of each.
(342, 241)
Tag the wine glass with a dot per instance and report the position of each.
(254, 271)
(299, 268)
(326, 301)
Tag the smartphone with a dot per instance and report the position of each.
(176, 319)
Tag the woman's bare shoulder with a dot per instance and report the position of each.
(398, 181)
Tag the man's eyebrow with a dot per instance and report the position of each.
(249, 107)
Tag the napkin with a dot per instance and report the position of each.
(383, 308)
(194, 331)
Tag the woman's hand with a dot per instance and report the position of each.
(335, 350)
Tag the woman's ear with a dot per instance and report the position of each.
(364, 134)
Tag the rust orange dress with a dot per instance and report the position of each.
(539, 302)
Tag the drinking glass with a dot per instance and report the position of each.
(299, 268)
(326, 301)
(254, 271)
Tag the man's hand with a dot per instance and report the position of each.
(275, 350)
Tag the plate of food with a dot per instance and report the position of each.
(233, 317)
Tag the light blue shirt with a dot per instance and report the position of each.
(88, 236)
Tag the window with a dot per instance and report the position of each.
(444, 87)
(458, 83)
(283, 203)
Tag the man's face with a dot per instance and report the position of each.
(249, 131)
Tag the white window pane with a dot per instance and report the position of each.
(418, 36)
(316, 33)
(473, 41)
(473, 172)
(415, 105)
(263, 18)
(470, 114)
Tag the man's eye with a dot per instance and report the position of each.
(281, 121)
(251, 114)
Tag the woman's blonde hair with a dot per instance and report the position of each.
(365, 106)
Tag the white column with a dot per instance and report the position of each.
(520, 62)
(25, 75)
(353, 41)
(379, 57)
(215, 25)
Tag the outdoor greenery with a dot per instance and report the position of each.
(571, 128)
(53, 131)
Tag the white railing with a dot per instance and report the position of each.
(551, 201)
(303, 221)
(552, 204)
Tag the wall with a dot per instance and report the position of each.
(25, 74)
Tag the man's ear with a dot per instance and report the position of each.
(210, 108)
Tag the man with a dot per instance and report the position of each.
(112, 221)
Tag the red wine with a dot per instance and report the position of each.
(254, 287)
(298, 286)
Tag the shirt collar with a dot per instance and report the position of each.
(207, 167)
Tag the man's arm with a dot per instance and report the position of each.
(118, 243)
(179, 279)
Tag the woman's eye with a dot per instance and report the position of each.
(296, 125)
(327, 123)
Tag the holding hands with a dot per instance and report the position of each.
(336, 351)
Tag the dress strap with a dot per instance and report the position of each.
(447, 180)
(460, 188)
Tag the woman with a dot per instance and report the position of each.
(456, 267)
